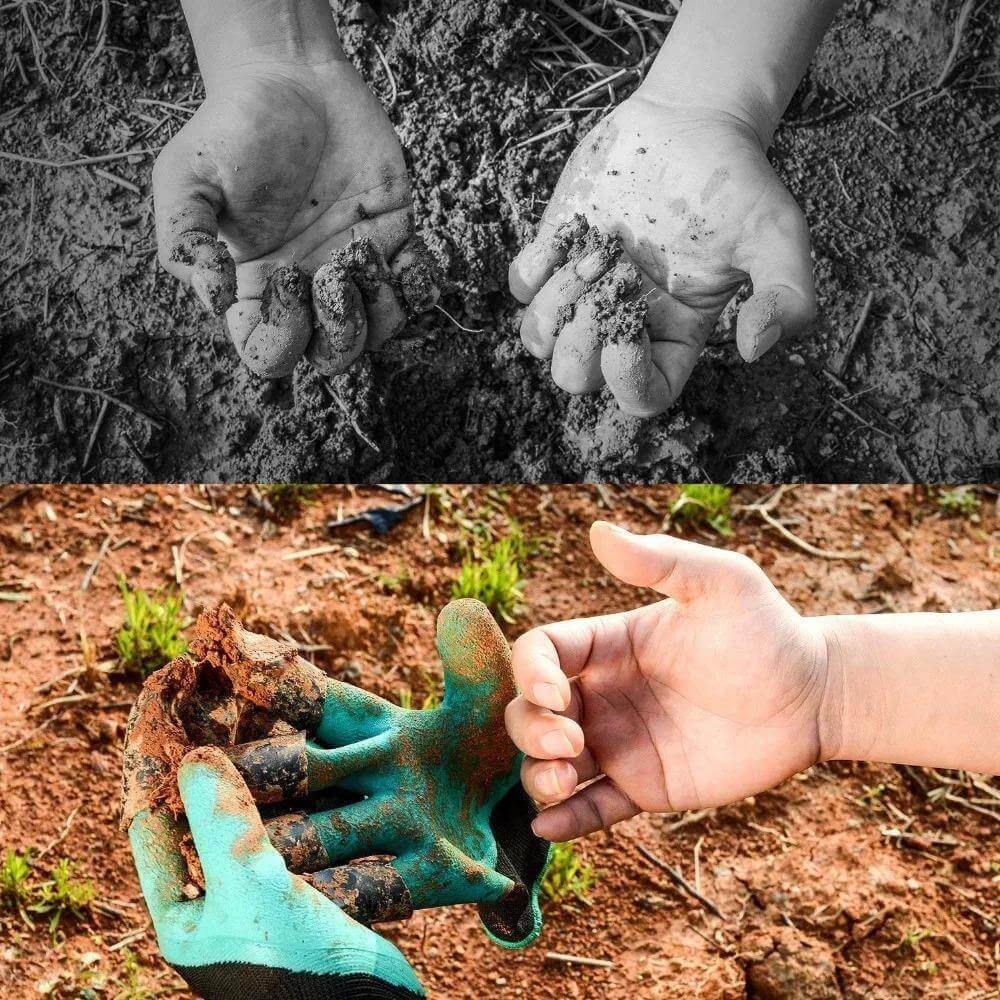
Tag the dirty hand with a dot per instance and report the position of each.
(258, 931)
(289, 161)
(698, 210)
(699, 700)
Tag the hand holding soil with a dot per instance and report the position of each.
(694, 209)
(287, 171)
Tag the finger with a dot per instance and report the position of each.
(383, 311)
(541, 733)
(271, 333)
(368, 891)
(225, 824)
(602, 312)
(540, 258)
(187, 230)
(784, 294)
(596, 807)
(341, 321)
(674, 567)
(595, 256)
(311, 841)
(418, 273)
(551, 781)
(155, 840)
(475, 655)
(545, 657)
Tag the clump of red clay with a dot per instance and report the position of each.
(233, 687)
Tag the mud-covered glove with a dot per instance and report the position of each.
(258, 931)
(436, 790)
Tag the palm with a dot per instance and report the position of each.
(671, 723)
(304, 159)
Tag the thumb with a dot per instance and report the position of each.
(187, 230)
(673, 567)
(225, 824)
(784, 295)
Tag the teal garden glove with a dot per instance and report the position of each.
(258, 931)
(436, 790)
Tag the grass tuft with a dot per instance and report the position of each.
(961, 501)
(703, 505)
(568, 875)
(285, 500)
(494, 575)
(150, 635)
(15, 870)
(62, 894)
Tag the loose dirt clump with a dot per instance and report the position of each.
(225, 693)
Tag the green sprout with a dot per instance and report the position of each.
(430, 700)
(285, 500)
(703, 505)
(494, 577)
(568, 875)
(62, 894)
(151, 635)
(15, 869)
(960, 502)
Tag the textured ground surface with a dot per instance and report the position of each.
(898, 182)
(819, 903)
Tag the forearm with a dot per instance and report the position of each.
(229, 33)
(914, 689)
(745, 58)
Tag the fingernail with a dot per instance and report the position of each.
(769, 336)
(556, 744)
(617, 528)
(548, 783)
(548, 696)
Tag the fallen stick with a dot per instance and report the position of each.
(83, 161)
(121, 404)
(679, 880)
(92, 568)
(852, 341)
(956, 43)
(92, 440)
(596, 963)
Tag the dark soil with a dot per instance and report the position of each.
(820, 899)
(902, 201)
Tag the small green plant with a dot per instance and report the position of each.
(913, 940)
(130, 985)
(285, 500)
(394, 583)
(872, 794)
(960, 501)
(15, 869)
(494, 576)
(62, 894)
(430, 700)
(703, 505)
(568, 875)
(151, 635)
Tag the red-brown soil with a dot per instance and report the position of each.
(811, 889)
(898, 182)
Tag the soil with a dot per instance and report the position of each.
(898, 183)
(820, 899)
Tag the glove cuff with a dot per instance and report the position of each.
(246, 981)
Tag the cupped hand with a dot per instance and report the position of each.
(287, 164)
(699, 700)
(698, 210)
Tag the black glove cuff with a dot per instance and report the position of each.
(245, 981)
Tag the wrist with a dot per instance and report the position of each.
(236, 35)
(852, 707)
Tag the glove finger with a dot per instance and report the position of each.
(155, 839)
(225, 824)
(369, 891)
(310, 842)
(539, 259)
(548, 310)
(476, 658)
